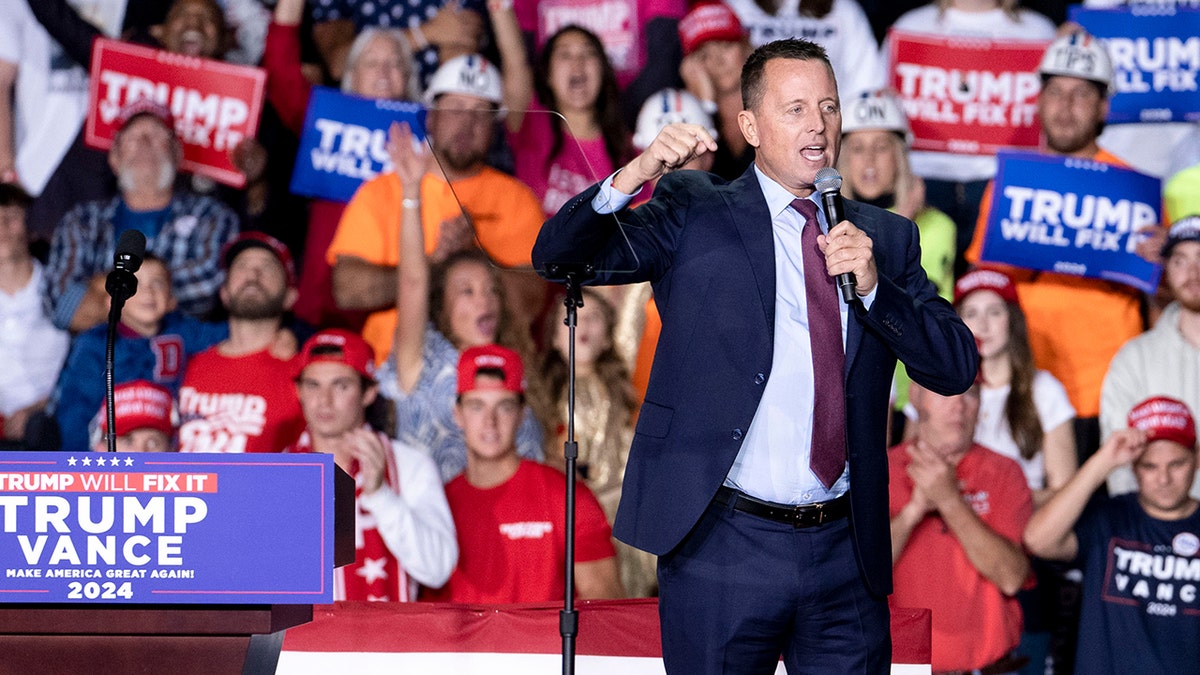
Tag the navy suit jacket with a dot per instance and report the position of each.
(707, 247)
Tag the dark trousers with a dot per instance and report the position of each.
(741, 591)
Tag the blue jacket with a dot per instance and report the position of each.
(161, 359)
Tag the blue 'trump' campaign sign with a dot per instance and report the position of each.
(158, 528)
(1155, 51)
(1061, 214)
(344, 142)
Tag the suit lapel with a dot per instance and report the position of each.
(748, 209)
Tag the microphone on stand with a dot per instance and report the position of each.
(829, 183)
(121, 285)
(131, 248)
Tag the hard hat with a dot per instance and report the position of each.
(1078, 55)
(879, 109)
(669, 106)
(469, 75)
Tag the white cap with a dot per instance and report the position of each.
(669, 106)
(877, 110)
(469, 75)
(1078, 55)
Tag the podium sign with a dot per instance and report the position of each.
(166, 528)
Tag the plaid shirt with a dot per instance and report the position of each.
(190, 243)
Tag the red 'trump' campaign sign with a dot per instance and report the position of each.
(967, 95)
(215, 104)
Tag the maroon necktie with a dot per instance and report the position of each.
(828, 456)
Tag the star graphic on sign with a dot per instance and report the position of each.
(372, 569)
(99, 461)
(87, 461)
(128, 461)
(71, 461)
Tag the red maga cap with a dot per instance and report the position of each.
(146, 106)
(140, 405)
(247, 240)
(985, 279)
(1164, 419)
(341, 346)
(491, 357)
(708, 22)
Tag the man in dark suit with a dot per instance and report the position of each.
(758, 472)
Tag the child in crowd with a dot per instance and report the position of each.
(145, 416)
(153, 343)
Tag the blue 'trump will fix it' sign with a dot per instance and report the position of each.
(344, 142)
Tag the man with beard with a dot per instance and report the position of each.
(463, 98)
(184, 230)
(52, 157)
(239, 396)
(1164, 361)
(1073, 102)
(1140, 611)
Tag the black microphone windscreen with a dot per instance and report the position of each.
(132, 242)
(828, 180)
(131, 248)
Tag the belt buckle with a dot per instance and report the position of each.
(807, 515)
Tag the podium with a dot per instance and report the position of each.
(164, 563)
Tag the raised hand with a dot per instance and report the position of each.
(1123, 447)
(676, 145)
(411, 158)
(371, 455)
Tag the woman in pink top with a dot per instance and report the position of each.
(573, 134)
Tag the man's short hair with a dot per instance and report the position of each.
(753, 71)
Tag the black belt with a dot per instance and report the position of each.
(803, 515)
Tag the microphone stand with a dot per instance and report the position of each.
(572, 276)
(121, 285)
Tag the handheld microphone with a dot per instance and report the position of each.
(829, 183)
(131, 247)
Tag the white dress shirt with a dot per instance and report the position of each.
(773, 462)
